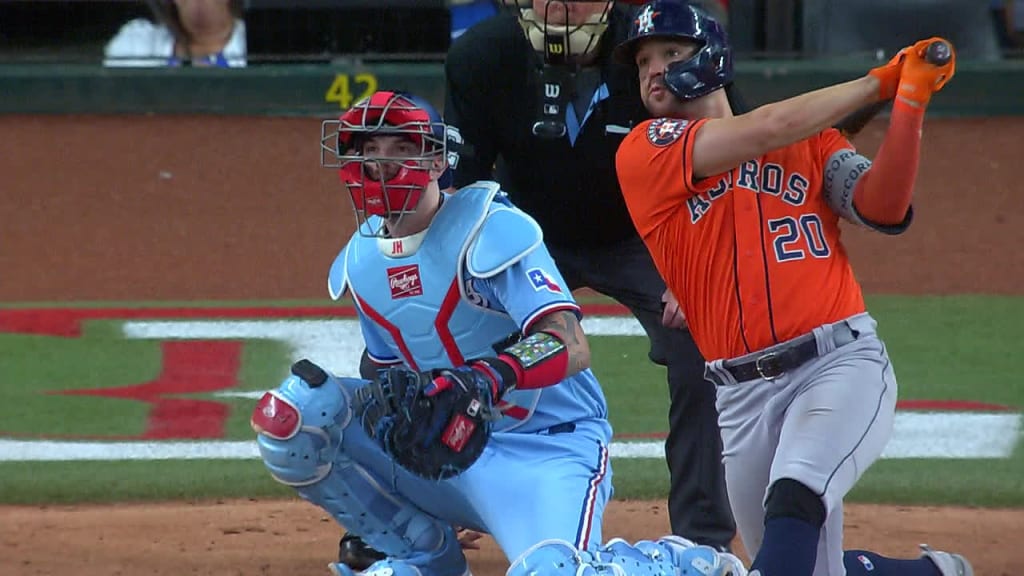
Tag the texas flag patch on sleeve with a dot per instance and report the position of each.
(541, 280)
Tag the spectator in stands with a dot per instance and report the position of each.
(1009, 22)
(182, 33)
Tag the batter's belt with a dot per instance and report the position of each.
(772, 362)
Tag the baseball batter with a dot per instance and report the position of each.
(741, 214)
(458, 299)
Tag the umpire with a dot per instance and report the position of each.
(538, 104)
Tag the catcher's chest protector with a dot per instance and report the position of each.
(424, 295)
(428, 310)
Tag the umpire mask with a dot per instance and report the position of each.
(562, 31)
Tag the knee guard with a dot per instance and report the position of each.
(551, 558)
(790, 499)
(300, 427)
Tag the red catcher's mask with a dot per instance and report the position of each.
(380, 185)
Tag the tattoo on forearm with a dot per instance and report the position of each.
(566, 326)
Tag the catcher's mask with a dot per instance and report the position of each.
(710, 67)
(388, 186)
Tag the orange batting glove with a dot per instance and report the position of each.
(889, 77)
(921, 78)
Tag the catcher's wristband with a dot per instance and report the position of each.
(537, 361)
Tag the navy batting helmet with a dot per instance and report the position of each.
(710, 67)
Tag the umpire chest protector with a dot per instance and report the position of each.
(425, 301)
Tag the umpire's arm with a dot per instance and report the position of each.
(472, 150)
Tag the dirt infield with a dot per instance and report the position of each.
(249, 538)
(184, 208)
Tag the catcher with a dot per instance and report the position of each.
(484, 397)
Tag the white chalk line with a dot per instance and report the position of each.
(337, 344)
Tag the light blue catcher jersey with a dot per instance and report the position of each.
(480, 275)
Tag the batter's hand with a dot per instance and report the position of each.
(671, 315)
(888, 77)
(928, 65)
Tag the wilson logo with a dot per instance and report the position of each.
(404, 281)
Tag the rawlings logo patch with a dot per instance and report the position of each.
(405, 281)
(458, 432)
(664, 131)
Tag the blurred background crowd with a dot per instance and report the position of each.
(235, 33)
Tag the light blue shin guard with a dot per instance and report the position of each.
(551, 558)
(669, 556)
(300, 429)
(689, 559)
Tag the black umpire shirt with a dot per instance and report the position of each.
(571, 189)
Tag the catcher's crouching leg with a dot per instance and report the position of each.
(300, 426)
(670, 555)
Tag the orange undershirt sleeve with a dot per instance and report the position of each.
(884, 193)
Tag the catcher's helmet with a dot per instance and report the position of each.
(709, 69)
(376, 192)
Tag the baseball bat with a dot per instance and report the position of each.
(938, 53)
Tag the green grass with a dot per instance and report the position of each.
(982, 483)
(945, 348)
(635, 388)
(60, 483)
(39, 367)
(962, 348)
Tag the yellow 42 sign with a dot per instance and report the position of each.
(348, 89)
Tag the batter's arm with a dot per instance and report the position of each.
(884, 192)
(722, 144)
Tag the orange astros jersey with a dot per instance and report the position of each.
(753, 255)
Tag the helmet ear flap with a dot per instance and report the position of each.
(707, 70)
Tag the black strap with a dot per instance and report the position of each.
(774, 364)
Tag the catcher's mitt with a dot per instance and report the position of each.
(435, 432)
